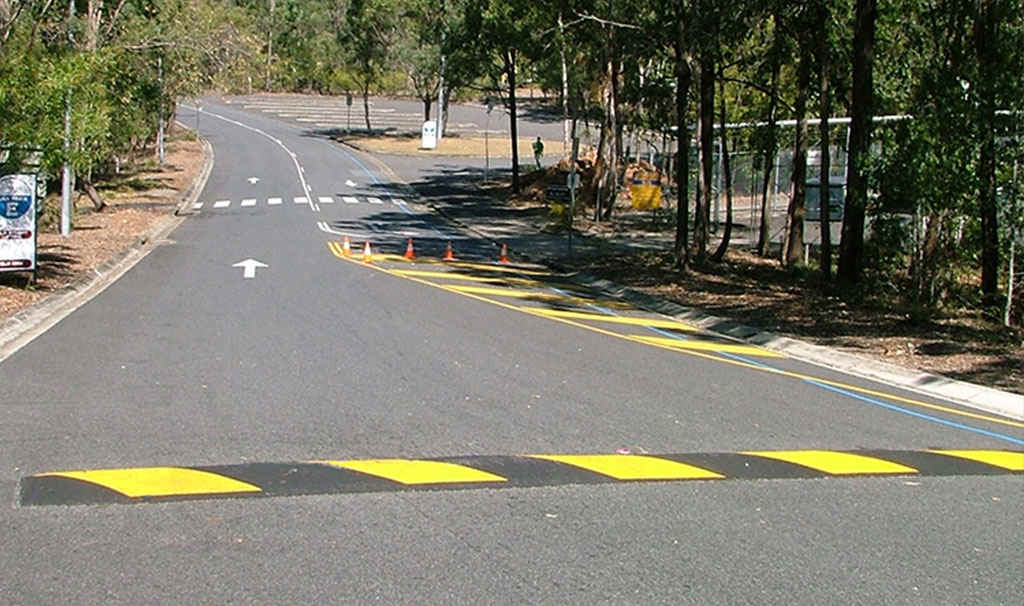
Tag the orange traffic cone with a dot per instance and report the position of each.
(346, 247)
(409, 254)
(367, 253)
(448, 254)
(503, 258)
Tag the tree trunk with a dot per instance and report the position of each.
(825, 195)
(764, 233)
(851, 245)
(727, 174)
(615, 139)
(510, 70)
(706, 152)
(794, 249)
(98, 203)
(986, 49)
(93, 15)
(366, 106)
(427, 102)
(684, 77)
(565, 82)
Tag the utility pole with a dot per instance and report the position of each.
(65, 188)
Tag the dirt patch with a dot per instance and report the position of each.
(137, 201)
(454, 145)
(759, 293)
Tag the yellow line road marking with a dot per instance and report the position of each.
(633, 467)
(698, 354)
(158, 481)
(1013, 461)
(505, 269)
(835, 463)
(532, 294)
(447, 275)
(410, 471)
(652, 322)
(711, 346)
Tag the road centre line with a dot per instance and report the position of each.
(723, 360)
(268, 479)
(295, 160)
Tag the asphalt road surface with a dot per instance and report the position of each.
(332, 430)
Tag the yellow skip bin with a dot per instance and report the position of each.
(835, 463)
(141, 482)
(411, 471)
(633, 467)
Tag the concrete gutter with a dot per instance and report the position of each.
(24, 326)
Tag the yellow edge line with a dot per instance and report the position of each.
(782, 373)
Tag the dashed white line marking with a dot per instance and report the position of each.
(249, 202)
(375, 201)
(398, 201)
(326, 200)
(301, 200)
(273, 201)
(222, 204)
(197, 206)
(350, 200)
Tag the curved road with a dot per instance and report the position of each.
(337, 369)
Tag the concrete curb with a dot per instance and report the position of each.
(24, 326)
(968, 394)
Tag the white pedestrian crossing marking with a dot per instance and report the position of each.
(222, 204)
(375, 201)
(326, 200)
(249, 202)
(350, 200)
(273, 201)
(301, 200)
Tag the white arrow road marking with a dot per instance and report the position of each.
(350, 183)
(249, 202)
(222, 204)
(326, 200)
(249, 267)
(273, 201)
(253, 180)
(350, 200)
(375, 201)
(301, 200)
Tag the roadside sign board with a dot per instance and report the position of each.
(429, 135)
(18, 223)
(645, 190)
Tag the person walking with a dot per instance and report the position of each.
(538, 151)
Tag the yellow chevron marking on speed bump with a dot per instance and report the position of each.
(652, 322)
(412, 472)
(141, 482)
(633, 467)
(710, 346)
(833, 462)
(1013, 461)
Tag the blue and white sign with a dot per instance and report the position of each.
(18, 223)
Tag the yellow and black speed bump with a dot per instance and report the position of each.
(150, 484)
